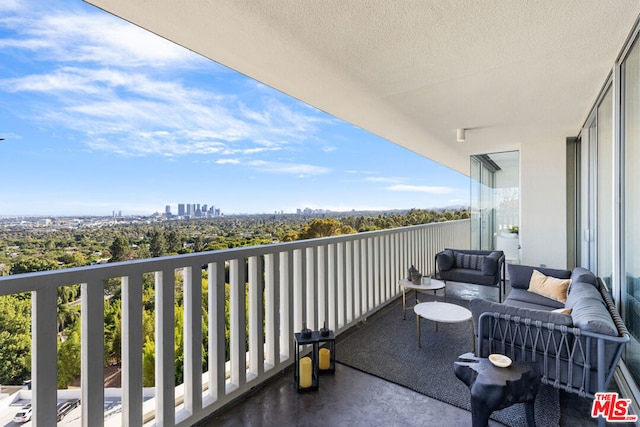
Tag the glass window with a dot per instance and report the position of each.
(495, 202)
(604, 198)
(631, 199)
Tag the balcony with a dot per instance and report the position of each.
(340, 280)
(353, 397)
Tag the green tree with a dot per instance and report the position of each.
(141, 252)
(29, 265)
(67, 315)
(178, 344)
(198, 244)
(69, 358)
(120, 250)
(158, 245)
(148, 363)
(67, 294)
(113, 331)
(174, 243)
(74, 259)
(15, 340)
(290, 236)
(320, 228)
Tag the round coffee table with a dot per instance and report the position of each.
(443, 312)
(426, 284)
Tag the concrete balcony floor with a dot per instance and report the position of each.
(354, 398)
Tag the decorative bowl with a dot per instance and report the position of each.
(499, 360)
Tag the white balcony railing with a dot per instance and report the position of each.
(339, 280)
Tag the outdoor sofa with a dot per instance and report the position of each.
(471, 266)
(575, 344)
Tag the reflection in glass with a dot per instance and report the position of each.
(605, 182)
(631, 232)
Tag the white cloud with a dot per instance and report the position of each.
(10, 5)
(391, 179)
(288, 168)
(76, 36)
(358, 172)
(420, 189)
(130, 108)
(130, 93)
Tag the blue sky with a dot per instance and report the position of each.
(99, 115)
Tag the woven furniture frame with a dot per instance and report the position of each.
(568, 358)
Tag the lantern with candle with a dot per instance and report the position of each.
(327, 351)
(306, 367)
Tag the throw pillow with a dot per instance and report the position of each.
(469, 261)
(548, 286)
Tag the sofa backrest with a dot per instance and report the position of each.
(520, 275)
(589, 309)
(487, 262)
(580, 274)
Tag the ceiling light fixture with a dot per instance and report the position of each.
(460, 137)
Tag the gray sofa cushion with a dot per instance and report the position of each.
(581, 291)
(591, 315)
(464, 275)
(523, 298)
(445, 260)
(506, 334)
(520, 275)
(479, 306)
(583, 275)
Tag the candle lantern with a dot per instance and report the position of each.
(326, 351)
(306, 368)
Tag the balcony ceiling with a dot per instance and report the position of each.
(414, 71)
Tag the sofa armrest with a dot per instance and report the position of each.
(491, 263)
(445, 260)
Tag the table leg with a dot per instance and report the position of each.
(479, 413)
(473, 338)
(418, 328)
(528, 409)
(404, 305)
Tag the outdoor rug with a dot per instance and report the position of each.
(387, 346)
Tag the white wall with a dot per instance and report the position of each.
(543, 230)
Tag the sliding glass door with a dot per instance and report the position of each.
(631, 207)
(495, 203)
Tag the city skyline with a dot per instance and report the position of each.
(100, 115)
